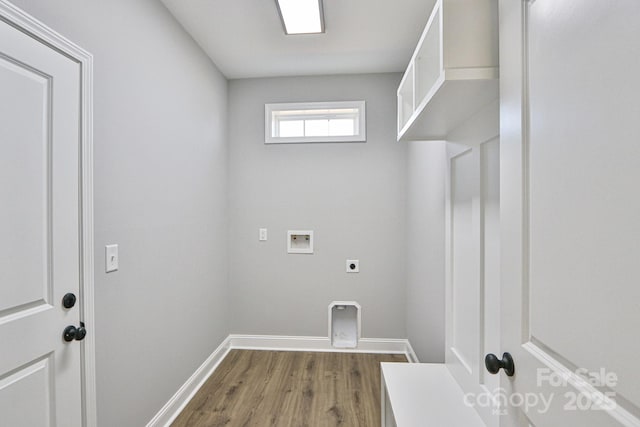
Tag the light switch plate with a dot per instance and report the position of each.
(353, 266)
(111, 258)
(263, 234)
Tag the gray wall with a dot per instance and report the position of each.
(426, 169)
(160, 193)
(165, 174)
(352, 195)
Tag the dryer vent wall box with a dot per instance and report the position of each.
(300, 242)
(344, 324)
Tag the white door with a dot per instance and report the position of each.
(473, 257)
(40, 378)
(570, 211)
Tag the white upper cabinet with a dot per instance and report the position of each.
(453, 71)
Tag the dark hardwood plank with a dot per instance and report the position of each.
(290, 389)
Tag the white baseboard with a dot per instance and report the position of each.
(411, 355)
(293, 343)
(178, 401)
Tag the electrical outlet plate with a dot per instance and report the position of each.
(353, 266)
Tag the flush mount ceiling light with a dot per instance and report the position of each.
(301, 16)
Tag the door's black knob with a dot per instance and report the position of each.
(71, 333)
(81, 332)
(69, 300)
(493, 364)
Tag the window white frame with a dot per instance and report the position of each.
(269, 123)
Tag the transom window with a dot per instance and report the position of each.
(315, 122)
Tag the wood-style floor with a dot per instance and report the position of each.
(278, 388)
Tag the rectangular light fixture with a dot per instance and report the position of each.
(301, 16)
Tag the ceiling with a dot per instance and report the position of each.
(245, 37)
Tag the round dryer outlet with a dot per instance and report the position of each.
(353, 266)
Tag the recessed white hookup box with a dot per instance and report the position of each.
(344, 324)
(300, 241)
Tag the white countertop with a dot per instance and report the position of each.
(426, 395)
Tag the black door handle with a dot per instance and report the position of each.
(493, 364)
(71, 333)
